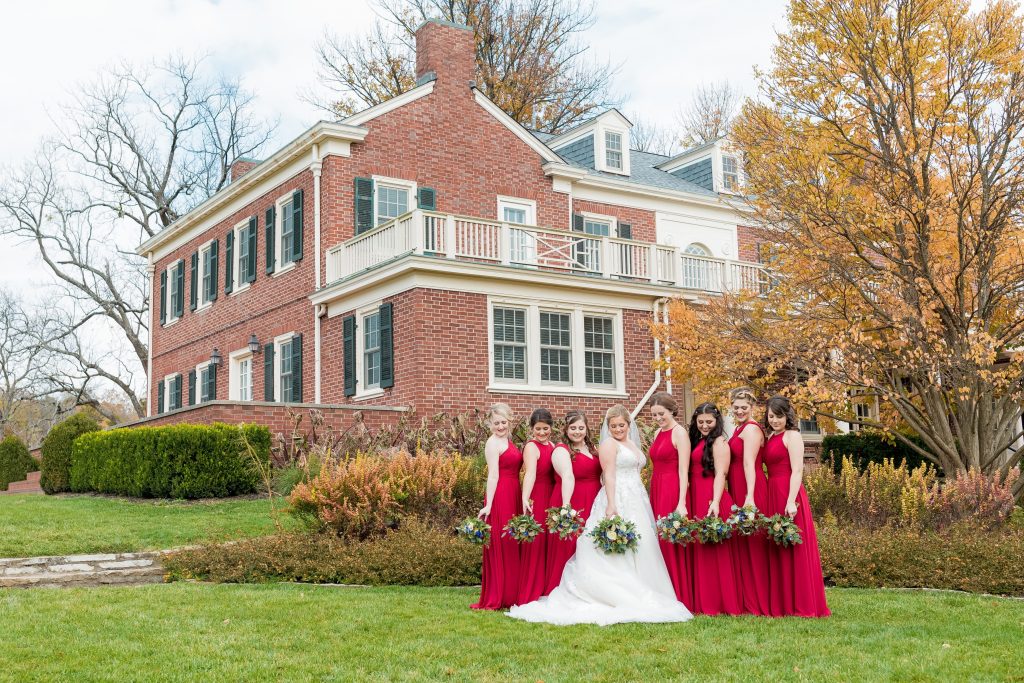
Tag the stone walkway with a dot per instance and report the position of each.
(82, 570)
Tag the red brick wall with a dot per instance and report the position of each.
(442, 358)
(749, 239)
(641, 220)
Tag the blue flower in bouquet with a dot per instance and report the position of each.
(474, 530)
(615, 535)
(745, 520)
(565, 521)
(675, 528)
(783, 530)
(522, 529)
(713, 529)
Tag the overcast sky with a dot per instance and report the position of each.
(663, 50)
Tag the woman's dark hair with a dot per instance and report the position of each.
(707, 458)
(541, 415)
(666, 401)
(572, 417)
(780, 405)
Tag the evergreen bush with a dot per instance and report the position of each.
(15, 461)
(56, 452)
(865, 447)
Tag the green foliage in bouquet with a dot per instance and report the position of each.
(474, 530)
(565, 522)
(783, 530)
(713, 529)
(522, 529)
(675, 528)
(615, 535)
(745, 520)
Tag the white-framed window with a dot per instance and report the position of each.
(865, 407)
(392, 197)
(588, 252)
(613, 150)
(284, 380)
(371, 350)
(207, 284)
(172, 392)
(240, 374)
(522, 243)
(730, 173)
(240, 258)
(285, 234)
(175, 293)
(698, 272)
(561, 348)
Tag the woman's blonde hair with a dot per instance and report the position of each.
(618, 410)
(501, 410)
(743, 394)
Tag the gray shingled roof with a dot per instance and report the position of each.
(642, 171)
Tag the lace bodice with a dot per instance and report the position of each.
(628, 461)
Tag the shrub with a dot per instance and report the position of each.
(866, 446)
(15, 461)
(364, 495)
(56, 452)
(176, 461)
(962, 558)
(418, 553)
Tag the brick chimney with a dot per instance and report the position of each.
(446, 51)
(239, 167)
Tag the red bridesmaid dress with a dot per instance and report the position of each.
(716, 586)
(587, 471)
(664, 500)
(797, 584)
(499, 582)
(533, 556)
(751, 551)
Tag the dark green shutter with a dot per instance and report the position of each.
(193, 294)
(176, 391)
(160, 397)
(364, 204)
(296, 363)
(210, 380)
(179, 287)
(297, 233)
(163, 296)
(215, 270)
(268, 372)
(229, 250)
(580, 246)
(577, 222)
(192, 387)
(387, 351)
(426, 198)
(250, 276)
(269, 236)
(625, 231)
(348, 333)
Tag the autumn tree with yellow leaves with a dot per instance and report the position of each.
(884, 161)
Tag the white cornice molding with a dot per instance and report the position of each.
(688, 156)
(658, 192)
(526, 136)
(318, 134)
(560, 169)
(390, 105)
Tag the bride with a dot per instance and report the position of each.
(599, 588)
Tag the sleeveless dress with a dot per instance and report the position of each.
(499, 582)
(586, 470)
(751, 551)
(533, 556)
(716, 588)
(797, 586)
(599, 588)
(664, 500)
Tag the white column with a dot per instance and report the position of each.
(652, 256)
(316, 167)
(317, 310)
(606, 253)
(450, 246)
(418, 229)
(505, 245)
(151, 272)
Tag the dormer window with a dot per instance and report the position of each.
(730, 174)
(613, 150)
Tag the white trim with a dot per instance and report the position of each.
(394, 183)
(601, 151)
(170, 317)
(154, 320)
(202, 303)
(573, 134)
(526, 136)
(362, 393)
(577, 312)
(278, 168)
(317, 312)
(316, 168)
(518, 203)
(376, 110)
(279, 341)
(234, 376)
(279, 204)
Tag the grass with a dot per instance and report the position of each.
(184, 632)
(62, 525)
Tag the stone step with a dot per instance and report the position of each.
(24, 487)
(98, 569)
(106, 577)
(34, 476)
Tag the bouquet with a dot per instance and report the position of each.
(675, 528)
(782, 529)
(522, 529)
(745, 519)
(565, 522)
(713, 530)
(615, 535)
(474, 530)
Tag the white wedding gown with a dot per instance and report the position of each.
(600, 588)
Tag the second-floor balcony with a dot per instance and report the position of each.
(481, 240)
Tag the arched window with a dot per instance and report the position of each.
(697, 249)
(699, 272)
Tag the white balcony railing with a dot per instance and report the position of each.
(482, 240)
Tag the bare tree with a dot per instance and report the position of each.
(529, 59)
(21, 360)
(710, 113)
(646, 136)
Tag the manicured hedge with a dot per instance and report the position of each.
(56, 452)
(177, 461)
(864, 447)
(15, 461)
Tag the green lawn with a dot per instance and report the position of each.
(61, 525)
(186, 632)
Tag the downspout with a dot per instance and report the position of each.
(316, 167)
(151, 270)
(657, 356)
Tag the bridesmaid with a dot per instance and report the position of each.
(670, 457)
(577, 479)
(538, 483)
(797, 585)
(716, 587)
(499, 582)
(747, 483)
